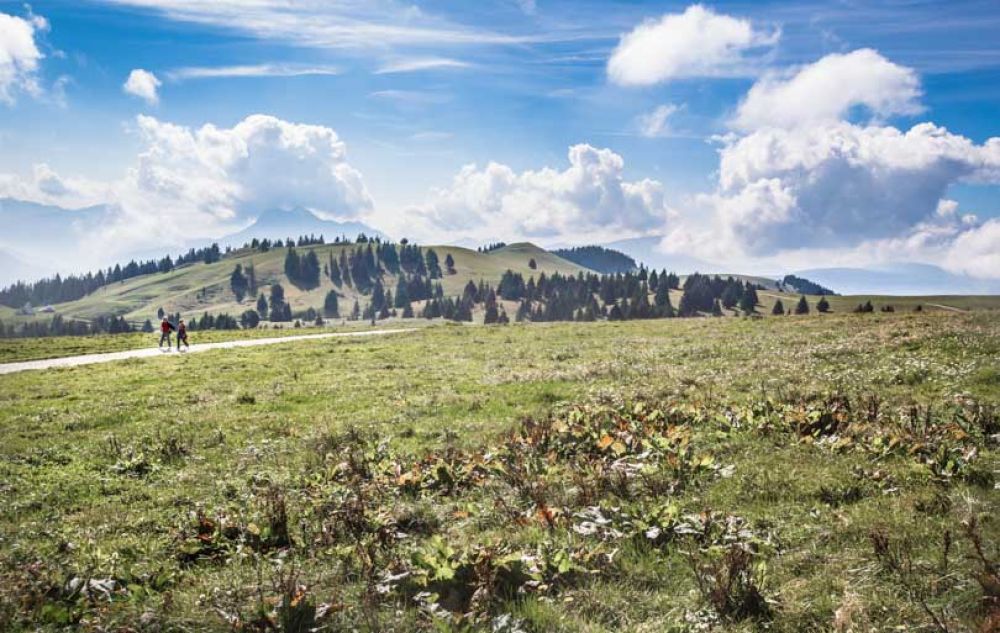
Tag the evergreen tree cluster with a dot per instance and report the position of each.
(491, 247)
(603, 260)
(702, 292)
(302, 270)
(58, 326)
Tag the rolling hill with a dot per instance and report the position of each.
(197, 288)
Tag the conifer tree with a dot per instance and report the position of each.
(716, 308)
(778, 309)
(331, 307)
(802, 307)
(823, 305)
(491, 308)
(238, 283)
(433, 265)
(449, 264)
(262, 306)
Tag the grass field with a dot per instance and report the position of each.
(792, 474)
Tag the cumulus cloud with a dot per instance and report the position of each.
(143, 84)
(695, 43)
(838, 184)
(188, 183)
(20, 57)
(589, 195)
(828, 90)
(976, 251)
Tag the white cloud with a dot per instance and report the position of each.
(827, 90)
(656, 123)
(419, 64)
(190, 183)
(696, 43)
(871, 192)
(44, 186)
(591, 195)
(253, 70)
(143, 84)
(976, 251)
(346, 24)
(19, 55)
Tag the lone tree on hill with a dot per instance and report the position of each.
(823, 305)
(331, 307)
(778, 309)
(262, 306)
(802, 307)
(747, 302)
(532, 264)
(449, 264)
(239, 283)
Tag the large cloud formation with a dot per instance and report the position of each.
(19, 55)
(203, 182)
(838, 184)
(695, 43)
(798, 176)
(590, 194)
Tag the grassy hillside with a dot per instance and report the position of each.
(197, 288)
(677, 475)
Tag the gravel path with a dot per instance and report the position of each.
(153, 352)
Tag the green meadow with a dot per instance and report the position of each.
(816, 473)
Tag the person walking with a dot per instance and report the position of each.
(166, 327)
(182, 335)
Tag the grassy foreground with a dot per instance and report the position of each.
(787, 474)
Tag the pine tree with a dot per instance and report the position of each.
(433, 266)
(491, 309)
(802, 307)
(408, 311)
(823, 305)
(355, 311)
(262, 306)
(717, 308)
(249, 319)
(748, 302)
(778, 309)
(331, 307)
(449, 264)
(532, 264)
(239, 283)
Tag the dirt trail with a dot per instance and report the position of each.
(153, 352)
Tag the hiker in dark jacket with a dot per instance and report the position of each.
(166, 327)
(182, 335)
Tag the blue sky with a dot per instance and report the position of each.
(418, 90)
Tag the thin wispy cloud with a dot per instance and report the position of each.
(419, 64)
(349, 24)
(417, 97)
(253, 70)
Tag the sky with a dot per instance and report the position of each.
(770, 135)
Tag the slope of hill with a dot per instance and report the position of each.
(198, 288)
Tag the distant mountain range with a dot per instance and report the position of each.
(280, 224)
(900, 278)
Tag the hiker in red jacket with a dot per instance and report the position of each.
(182, 335)
(166, 327)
